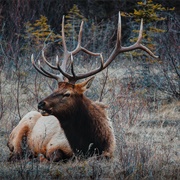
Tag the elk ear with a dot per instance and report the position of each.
(83, 86)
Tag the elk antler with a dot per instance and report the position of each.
(74, 77)
(66, 56)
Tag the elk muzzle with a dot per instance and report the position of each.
(42, 106)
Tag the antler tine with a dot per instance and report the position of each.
(138, 44)
(120, 49)
(33, 63)
(72, 66)
(140, 32)
(102, 61)
(66, 53)
(80, 35)
(63, 36)
(51, 75)
(142, 46)
(61, 71)
(73, 78)
(49, 64)
(44, 72)
(79, 47)
(91, 73)
(118, 41)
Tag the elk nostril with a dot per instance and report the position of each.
(41, 105)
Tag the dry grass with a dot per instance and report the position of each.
(148, 143)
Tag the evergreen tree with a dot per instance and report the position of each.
(73, 21)
(40, 33)
(151, 15)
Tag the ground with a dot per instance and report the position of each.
(147, 133)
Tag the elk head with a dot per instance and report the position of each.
(64, 98)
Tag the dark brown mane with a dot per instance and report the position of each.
(85, 128)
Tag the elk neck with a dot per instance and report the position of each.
(82, 123)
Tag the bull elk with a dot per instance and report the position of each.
(85, 122)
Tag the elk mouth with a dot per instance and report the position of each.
(45, 112)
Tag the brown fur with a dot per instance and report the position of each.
(85, 122)
(43, 136)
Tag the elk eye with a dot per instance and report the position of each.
(66, 94)
(56, 95)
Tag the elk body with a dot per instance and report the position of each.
(43, 135)
(85, 123)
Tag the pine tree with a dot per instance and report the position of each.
(40, 33)
(151, 15)
(73, 21)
